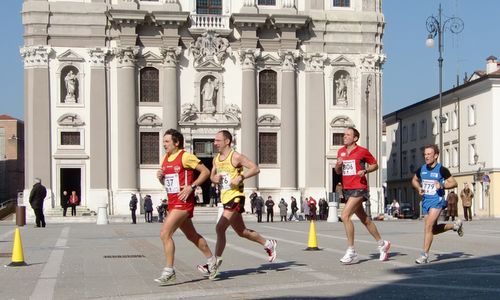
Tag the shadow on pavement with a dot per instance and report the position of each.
(263, 269)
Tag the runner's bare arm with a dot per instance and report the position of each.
(214, 177)
(251, 168)
(450, 183)
(368, 169)
(188, 189)
(415, 182)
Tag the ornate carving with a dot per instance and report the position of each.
(210, 47)
(371, 62)
(341, 122)
(315, 62)
(209, 94)
(149, 119)
(171, 56)
(126, 55)
(70, 120)
(97, 56)
(247, 58)
(189, 112)
(233, 112)
(288, 58)
(36, 56)
(268, 120)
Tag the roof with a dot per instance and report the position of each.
(7, 117)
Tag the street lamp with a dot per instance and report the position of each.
(437, 26)
(368, 208)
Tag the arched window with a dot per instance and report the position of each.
(268, 87)
(149, 85)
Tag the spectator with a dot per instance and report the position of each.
(294, 208)
(283, 206)
(148, 209)
(270, 208)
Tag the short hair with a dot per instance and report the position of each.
(37, 180)
(227, 135)
(433, 147)
(355, 131)
(177, 137)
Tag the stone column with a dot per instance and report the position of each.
(288, 153)
(315, 150)
(170, 85)
(37, 132)
(126, 118)
(249, 107)
(98, 127)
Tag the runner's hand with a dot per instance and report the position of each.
(185, 192)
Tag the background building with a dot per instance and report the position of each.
(105, 78)
(469, 140)
(11, 157)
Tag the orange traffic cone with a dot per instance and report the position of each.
(312, 244)
(17, 251)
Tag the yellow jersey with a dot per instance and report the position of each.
(228, 172)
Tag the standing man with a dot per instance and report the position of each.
(466, 196)
(354, 162)
(430, 181)
(65, 202)
(37, 196)
(259, 205)
(270, 208)
(227, 171)
(451, 208)
(133, 207)
(176, 174)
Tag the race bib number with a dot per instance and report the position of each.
(172, 185)
(225, 181)
(429, 187)
(349, 167)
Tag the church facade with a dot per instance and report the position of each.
(104, 79)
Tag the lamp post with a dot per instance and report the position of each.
(368, 208)
(437, 26)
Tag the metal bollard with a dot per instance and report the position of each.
(20, 215)
(102, 215)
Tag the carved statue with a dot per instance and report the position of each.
(189, 112)
(209, 95)
(210, 46)
(341, 89)
(70, 81)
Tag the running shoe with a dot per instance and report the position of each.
(213, 270)
(204, 270)
(166, 278)
(384, 251)
(422, 259)
(271, 250)
(349, 257)
(458, 226)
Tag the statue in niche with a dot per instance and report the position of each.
(341, 85)
(209, 95)
(71, 82)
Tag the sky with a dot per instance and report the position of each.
(410, 73)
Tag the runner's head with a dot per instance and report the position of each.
(431, 154)
(172, 141)
(223, 140)
(351, 136)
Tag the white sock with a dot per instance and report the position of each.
(268, 244)
(212, 259)
(350, 249)
(380, 242)
(168, 270)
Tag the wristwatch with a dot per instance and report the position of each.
(193, 186)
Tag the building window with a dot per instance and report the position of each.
(393, 136)
(394, 165)
(341, 3)
(413, 133)
(447, 123)
(472, 152)
(405, 162)
(435, 125)
(268, 87)
(267, 2)
(150, 148)
(472, 115)
(405, 135)
(423, 129)
(413, 161)
(455, 157)
(209, 7)
(338, 139)
(446, 162)
(149, 85)
(70, 138)
(268, 148)
(454, 120)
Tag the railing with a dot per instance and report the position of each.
(209, 22)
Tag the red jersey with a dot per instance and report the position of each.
(176, 176)
(352, 163)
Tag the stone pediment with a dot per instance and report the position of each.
(69, 55)
(268, 120)
(209, 65)
(341, 61)
(149, 119)
(191, 116)
(70, 120)
(342, 122)
(269, 59)
(152, 57)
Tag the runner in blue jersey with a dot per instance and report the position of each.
(430, 180)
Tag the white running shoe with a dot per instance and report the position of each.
(213, 269)
(204, 270)
(271, 251)
(458, 226)
(422, 259)
(384, 251)
(166, 278)
(349, 257)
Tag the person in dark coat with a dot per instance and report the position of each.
(37, 196)
(270, 208)
(148, 208)
(294, 208)
(133, 207)
(64, 202)
(259, 204)
(452, 209)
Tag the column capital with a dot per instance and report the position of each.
(35, 56)
(288, 59)
(126, 55)
(372, 62)
(315, 62)
(97, 56)
(170, 56)
(247, 58)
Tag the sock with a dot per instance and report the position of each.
(267, 244)
(168, 270)
(380, 242)
(350, 248)
(212, 260)
(425, 254)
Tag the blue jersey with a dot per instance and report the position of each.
(428, 177)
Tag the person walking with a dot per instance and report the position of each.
(148, 209)
(430, 181)
(37, 196)
(306, 209)
(177, 176)
(133, 207)
(227, 171)
(312, 204)
(466, 195)
(283, 206)
(270, 208)
(64, 202)
(294, 209)
(354, 162)
(73, 202)
(451, 207)
(259, 205)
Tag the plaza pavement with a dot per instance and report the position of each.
(120, 261)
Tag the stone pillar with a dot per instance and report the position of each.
(37, 132)
(98, 128)
(315, 150)
(249, 107)
(126, 118)
(169, 88)
(288, 153)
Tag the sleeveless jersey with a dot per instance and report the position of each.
(428, 177)
(176, 176)
(228, 172)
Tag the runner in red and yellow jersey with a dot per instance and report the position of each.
(176, 174)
